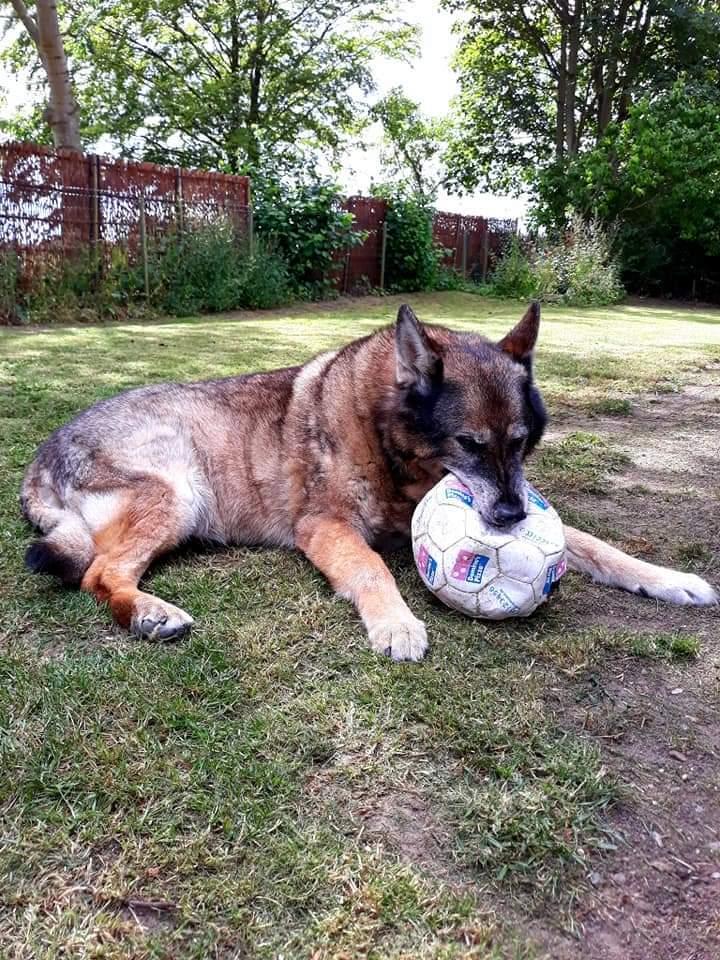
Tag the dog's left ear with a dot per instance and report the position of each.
(520, 342)
(417, 365)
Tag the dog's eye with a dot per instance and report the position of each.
(470, 444)
(516, 444)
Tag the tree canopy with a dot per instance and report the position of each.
(413, 145)
(227, 84)
(541, 81)
(655, 178)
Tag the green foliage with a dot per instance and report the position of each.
(263, 280)
(196, 271)
(413, 145)
(208, 270)
(11, 310)
(220, 85)
(541, 83)
(514, 275)
(308, 227)
(656, 177)
(413, 259)
(577, 269)
(74, 286)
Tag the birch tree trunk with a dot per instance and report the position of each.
(62, 112)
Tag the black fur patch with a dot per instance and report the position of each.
(536, 417)
(43, 557)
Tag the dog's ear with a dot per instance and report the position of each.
(417, 365)
(520, 342)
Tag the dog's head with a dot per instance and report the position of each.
(472, 405)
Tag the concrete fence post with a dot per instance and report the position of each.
(383, 254)
(179, 203)
(143, 246)
(485, 251)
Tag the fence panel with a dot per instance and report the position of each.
(55, 204)
(363, 265)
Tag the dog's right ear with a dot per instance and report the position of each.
(520, 342)
(417, 366)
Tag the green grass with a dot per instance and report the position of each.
(219, 797)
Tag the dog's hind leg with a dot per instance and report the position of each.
(359, 574)
(66, 550)
(606, 564)
(150, 522)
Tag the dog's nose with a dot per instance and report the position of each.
(508, 514)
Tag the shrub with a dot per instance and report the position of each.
(308, 228)
(264, 281)
(413, 259)
(11, 307)
(514, 275)
(195, 271)
(208, 269)
(577, 269)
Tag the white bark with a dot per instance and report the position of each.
(44, 30)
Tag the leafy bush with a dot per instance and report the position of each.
(71, 287)
(264, 281)
(207, 269)
(514, 275)
(656, 178)
(11, 309)
(413, 258)
(576, 269)
(195, 271)
(309, 229)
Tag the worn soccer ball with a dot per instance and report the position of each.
(481, 570)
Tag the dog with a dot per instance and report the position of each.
(329, 458)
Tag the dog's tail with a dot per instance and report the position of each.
(606, 564)
(67, 548)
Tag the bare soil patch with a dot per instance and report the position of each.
(658, 895)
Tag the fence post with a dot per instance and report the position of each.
(143, 246)
(383, 252)
(94, 186)
(346, 270)
(485, 251)
(464, 254)
(251, 231)
(455, 246)
(179, 205)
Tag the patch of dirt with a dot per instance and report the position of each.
(657, 724)
(401, 819)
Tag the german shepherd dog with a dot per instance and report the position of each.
(330, 457)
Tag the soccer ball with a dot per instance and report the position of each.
(481, 570)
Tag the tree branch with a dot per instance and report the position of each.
(27, 20)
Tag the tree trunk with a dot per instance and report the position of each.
(561, 92)
(62, 112)
(571, 139)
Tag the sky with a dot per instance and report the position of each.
(429, 81)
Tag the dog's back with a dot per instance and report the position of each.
(215, 449)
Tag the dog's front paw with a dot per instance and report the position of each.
(686, 589)
(155, 619)
(399, 639)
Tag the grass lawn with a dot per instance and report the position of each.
(270, 788)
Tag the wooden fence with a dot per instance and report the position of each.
(471, 244)
(56, 204)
